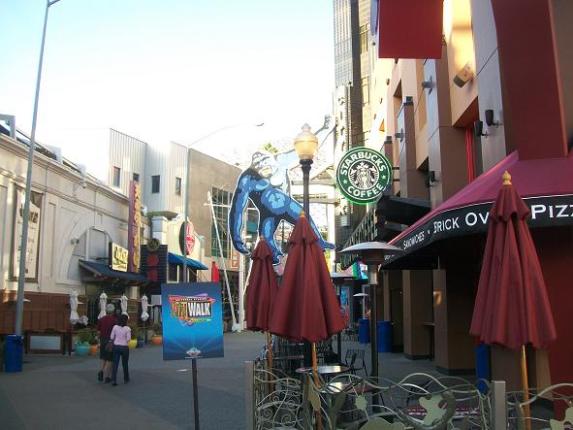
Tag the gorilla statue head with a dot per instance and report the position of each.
(264, 163)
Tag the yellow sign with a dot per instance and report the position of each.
(119, 257)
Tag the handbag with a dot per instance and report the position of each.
(109, 346)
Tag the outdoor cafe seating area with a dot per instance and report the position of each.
(344, 397)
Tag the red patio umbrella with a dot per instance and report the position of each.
(306, 307)
(512, 307)
(214, 272)
(262, 288)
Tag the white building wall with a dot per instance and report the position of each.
(77, 215)
(155, 164)
(175, 168)
(127, 153)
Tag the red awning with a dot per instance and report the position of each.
(410, 28)
(546, 185)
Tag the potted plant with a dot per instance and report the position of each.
(157, 338)
(93, 343)
(134, 333)
(82, 346)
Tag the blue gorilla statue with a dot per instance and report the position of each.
(265, 183)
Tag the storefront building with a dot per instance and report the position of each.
(490, 90)
(161, 173)
(74, 219)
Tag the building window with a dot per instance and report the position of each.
(155, 181)
(221, 205)
(178, 186)
(116, 176)
(363, 39)
(136, 177)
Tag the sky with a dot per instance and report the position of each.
(200, 72)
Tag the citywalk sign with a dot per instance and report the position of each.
(363, 174)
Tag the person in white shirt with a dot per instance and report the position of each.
(120, 336)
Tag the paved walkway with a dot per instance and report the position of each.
(61, 392)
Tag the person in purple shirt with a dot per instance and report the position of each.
(120, 336)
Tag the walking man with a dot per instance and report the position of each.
(104, 327)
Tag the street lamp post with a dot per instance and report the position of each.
(306, 144)
(28, 192)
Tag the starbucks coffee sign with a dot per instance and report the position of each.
(363, 174)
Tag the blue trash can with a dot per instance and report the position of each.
(364, 330)
(483, 369)
(384, 332)
(13, 353)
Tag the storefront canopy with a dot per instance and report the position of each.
(546, 186)
(101, 272)
(179, 259)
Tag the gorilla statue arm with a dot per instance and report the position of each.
(238, 206)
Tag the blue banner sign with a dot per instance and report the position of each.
(192, 316)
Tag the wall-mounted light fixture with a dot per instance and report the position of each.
(434, 176)
(429, 84)
(465, 75)
(478, 129)
(399, 135)
(490, 119)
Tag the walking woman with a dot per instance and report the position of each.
(120, 336)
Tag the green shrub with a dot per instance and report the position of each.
(85, 335)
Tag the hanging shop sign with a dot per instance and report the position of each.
(363, 174)
(187, 238)
(192, 316)
(546, 211)
(134, 227)
(118, 257)
(33, 246)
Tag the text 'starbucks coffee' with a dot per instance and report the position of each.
(363, 174)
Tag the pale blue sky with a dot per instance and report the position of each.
(166, 70)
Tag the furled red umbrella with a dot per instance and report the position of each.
(306, 307)
(262, 288)
(512, 307)
(214, 272)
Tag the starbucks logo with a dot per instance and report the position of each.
(363, 174)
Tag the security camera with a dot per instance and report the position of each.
(465, 75)
(84, 184)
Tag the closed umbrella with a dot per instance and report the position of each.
(123, 304)
(306, 307)
(512, 307)
(74, 316)
(215, 277)
(144, 306)
(102, 305)
(262, 288)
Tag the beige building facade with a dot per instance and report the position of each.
(74, 218)
(445, 123)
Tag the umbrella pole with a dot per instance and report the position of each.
(271, 385)
(269, 351)
(316, 383)
(525, 384)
